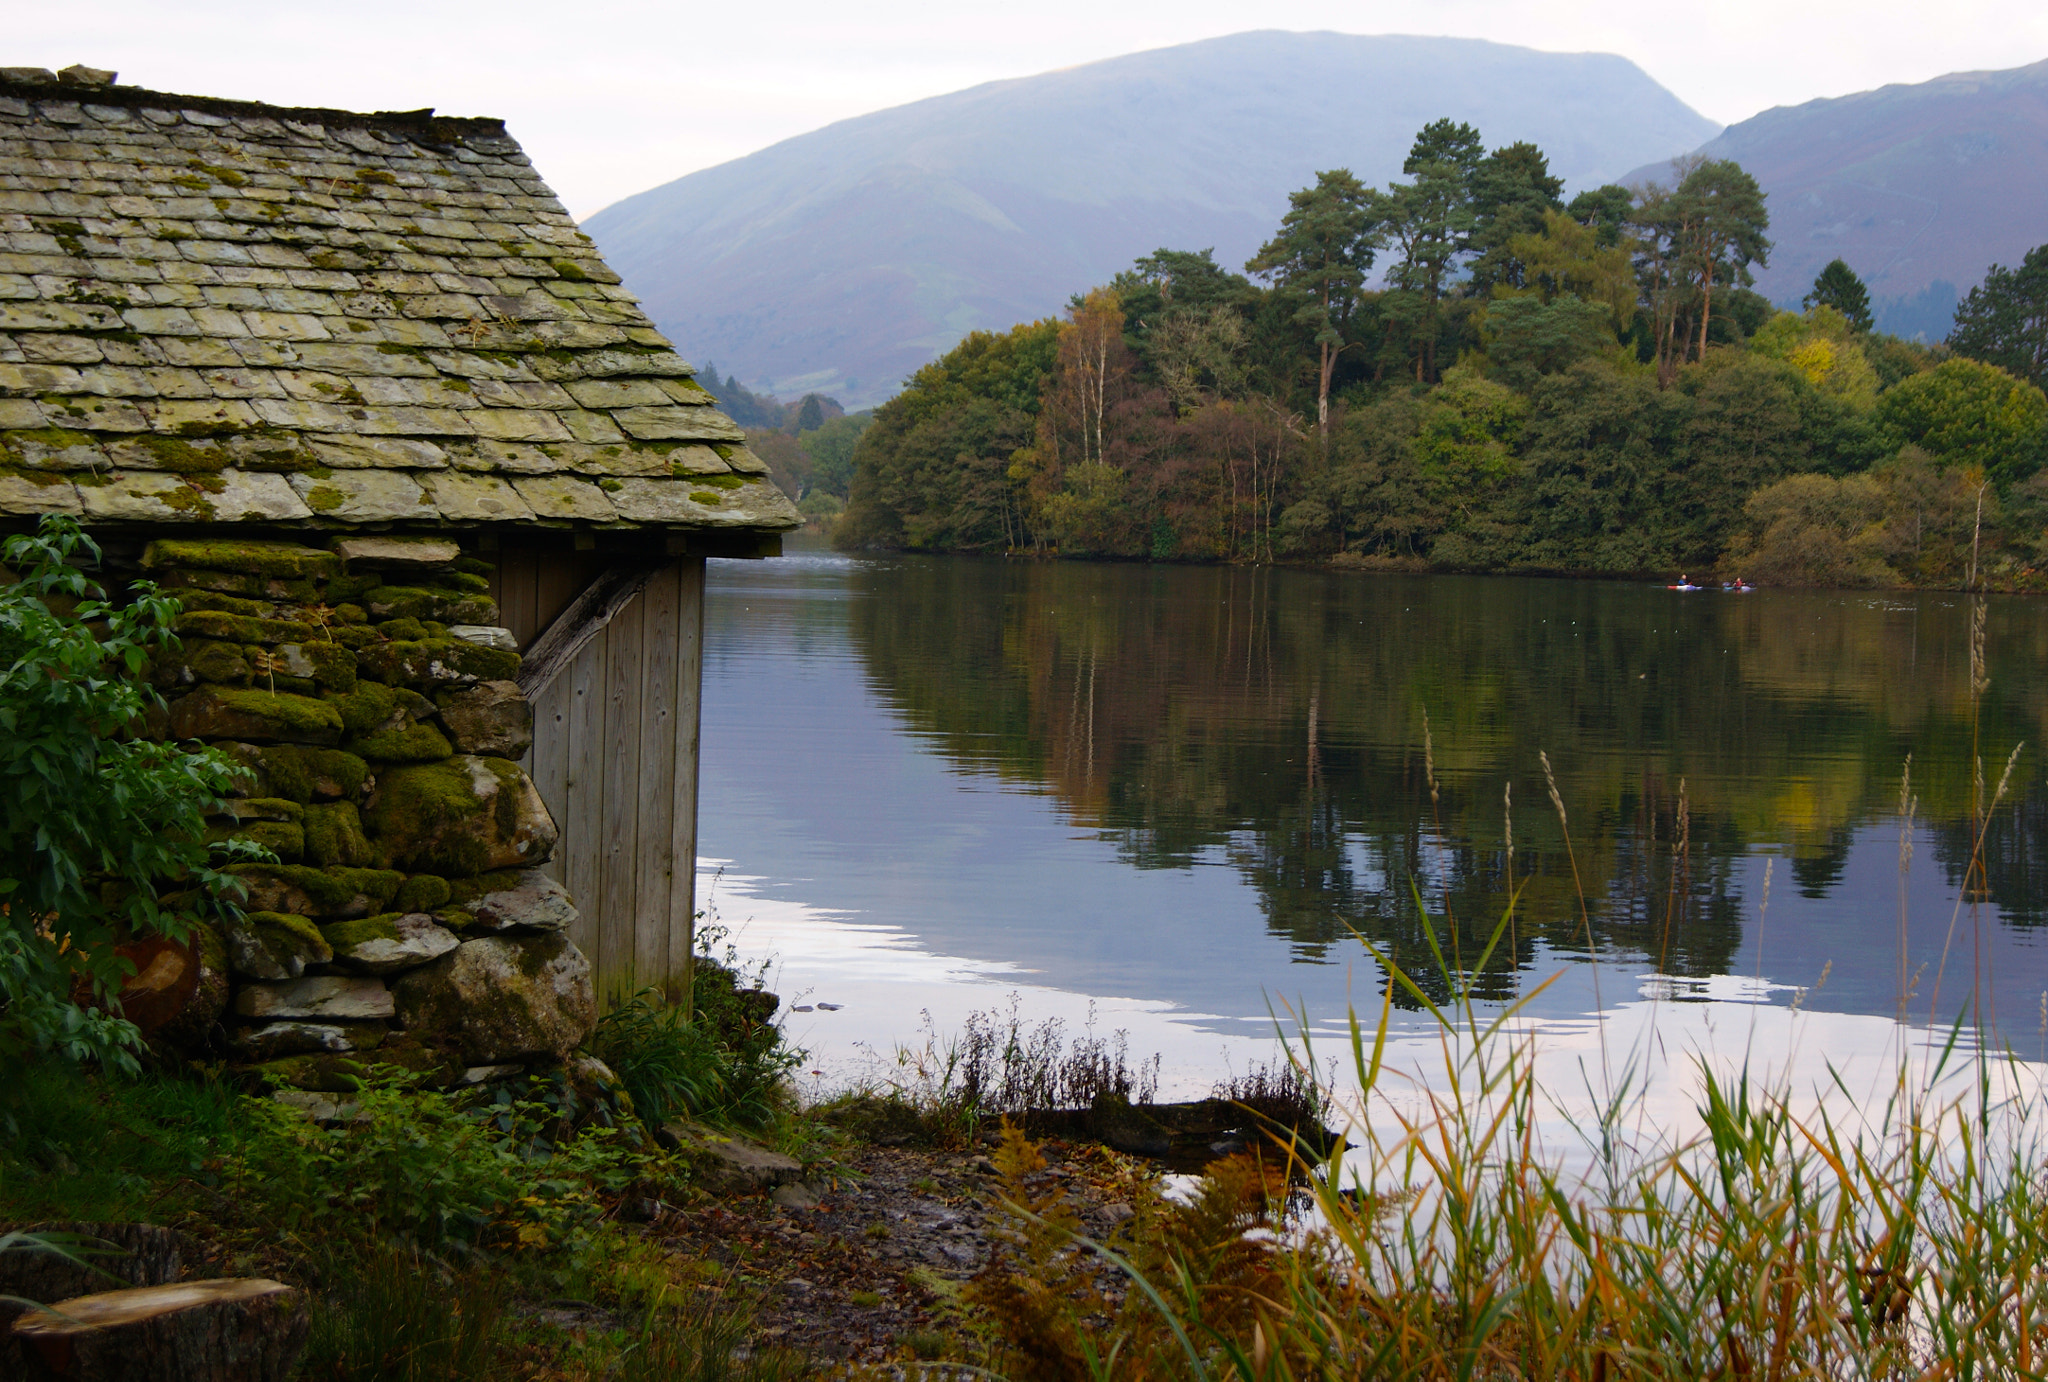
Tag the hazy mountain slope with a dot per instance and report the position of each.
(844, 258)
(1919, 188)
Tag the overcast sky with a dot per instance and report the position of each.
(614, 96)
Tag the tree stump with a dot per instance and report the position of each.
(230, 1330)
(149, 1256)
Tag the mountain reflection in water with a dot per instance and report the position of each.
(1183, 789)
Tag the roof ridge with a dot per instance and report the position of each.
(438, 129)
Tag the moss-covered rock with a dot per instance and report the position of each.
(227, 554)
(214, 661)
(431, 663)
(306, 774)
(406, 630)
(274, 945)
(249, 714)
(311, 892)
(273, 1040)
(282, 838)
(490, 718)
(463, 815)
(389, 943)
(335, 838)
(406, 743)
(468, 582)
(528, 901)
(428, 602)
(226, 604)
(243, 628)
(369, 705)
(502, 998)
(263, 809)
(423, 892)
(438, 1063)
(352, 634)
(330, 665)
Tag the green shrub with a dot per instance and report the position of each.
(431, 1167)
(94, 823)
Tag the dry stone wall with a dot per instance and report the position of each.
(407, 921)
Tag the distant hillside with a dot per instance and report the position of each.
(841, 260)
(1919, 188)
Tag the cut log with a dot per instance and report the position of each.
(146, 1255)
(231, 1330)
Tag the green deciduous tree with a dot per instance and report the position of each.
(1838, 287)
(101, 833)
(1965, 413)
(2004, 320)
(1327, 241)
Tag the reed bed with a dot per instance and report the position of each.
(1775, 1236)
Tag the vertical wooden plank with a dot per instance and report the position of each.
(557, 582)
(619, 856)
(689, 689)
(655, 818)
(547, 763)
(582, 822)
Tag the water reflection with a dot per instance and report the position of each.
(1180, 751)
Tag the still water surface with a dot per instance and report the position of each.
(1177, 797)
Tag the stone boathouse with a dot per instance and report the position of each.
(437, 496)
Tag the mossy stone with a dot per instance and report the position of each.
(227, 554)
(243, 628)
(370, 705)
(248, 714)
(343, 935)
(424, 602)
(225, 604)
(330, 665)
(468, 582)
(405, 629)
(437, 662)
(263, 809)
(282, 838)
(475, 566)
(226, 582)
(311, 892)
(351, 588)
(306, 774)
(274, 946)
(463, 815)
(439, 1063)
(351, 614)
(355, 637)
(214, 661)
(334, 836)
(413, 743)
(423, 892)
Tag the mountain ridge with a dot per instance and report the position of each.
(1918, 186)
(842, 259)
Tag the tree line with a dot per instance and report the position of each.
(1463, 370)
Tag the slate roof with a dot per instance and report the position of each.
(221, 312)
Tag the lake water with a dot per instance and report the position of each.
(1176, 798)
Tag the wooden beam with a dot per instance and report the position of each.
(583, 620)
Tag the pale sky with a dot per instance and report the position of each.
(611, 97)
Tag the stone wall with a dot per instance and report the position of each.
(407, 920)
